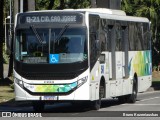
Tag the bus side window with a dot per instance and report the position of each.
(94, 38)
(109, 37)
(132, 35)
(103, 35)
(146, 36)
(118, 38)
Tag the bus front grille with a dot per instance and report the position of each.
(48, 76)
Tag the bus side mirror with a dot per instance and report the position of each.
(102, 59)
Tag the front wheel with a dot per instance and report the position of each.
(96, 105)
(132, 97)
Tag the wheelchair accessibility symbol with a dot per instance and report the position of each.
(54, 58)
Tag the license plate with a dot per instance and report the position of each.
(49, 98)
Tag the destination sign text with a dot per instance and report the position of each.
(51, 18)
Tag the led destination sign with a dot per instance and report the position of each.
(51, 18)
(35, 19)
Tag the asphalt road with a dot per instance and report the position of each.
(147, 104)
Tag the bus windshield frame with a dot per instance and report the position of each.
(64, 44)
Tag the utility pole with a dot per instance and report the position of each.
(31, 5)
(21, 6)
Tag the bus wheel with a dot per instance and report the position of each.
(132, 97)
(96, 105)
(38, 106)
(122, 99)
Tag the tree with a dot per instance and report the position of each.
(61, 4)
(79, 4)
(128, 6)
(1, 39)
(51, 4)
(149, 9)
(6, 8)
(44, 4)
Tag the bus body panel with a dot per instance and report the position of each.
(78, 94)
(140, 63)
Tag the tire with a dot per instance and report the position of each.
(122, 99)
(38, 106)
(96, 105)
(132, 97)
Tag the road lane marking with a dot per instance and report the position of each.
(148, 99)
(143, 104)
(144, 101)
(149, 92)
(140, 101)
(74, 114)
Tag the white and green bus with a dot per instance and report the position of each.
(81, 55)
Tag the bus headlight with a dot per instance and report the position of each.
(82, 81)
(19, 82)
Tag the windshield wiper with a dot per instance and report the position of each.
(61, 33)
(37, 35)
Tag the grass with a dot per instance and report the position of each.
(6, 93)
(156, 76)
(155, 79)
(7, 98)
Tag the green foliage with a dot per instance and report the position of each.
(5, 56)
(6, 8)
(41, 4)
(128, 7)
(12, 86)
(154, 68)
(143, 8)
(79, 4)
(149, 9)
(61, 4)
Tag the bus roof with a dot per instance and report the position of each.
(114, 14)
(102, 12)
(93, 10)
(124, 18)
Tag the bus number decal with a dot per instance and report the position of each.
(102, 69)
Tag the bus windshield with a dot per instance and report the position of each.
(51, 45)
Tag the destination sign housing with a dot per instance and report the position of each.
(51, 18)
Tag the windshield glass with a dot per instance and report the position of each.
(53, 46)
